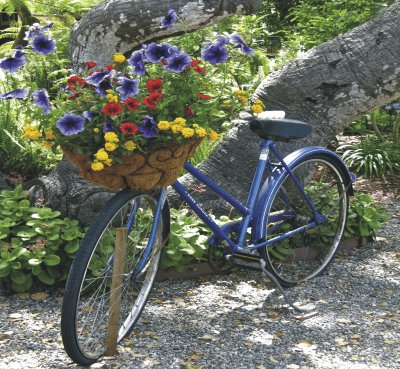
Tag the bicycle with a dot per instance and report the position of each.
(291, 225)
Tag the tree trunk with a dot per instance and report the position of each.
(328, 87)
(124, 25)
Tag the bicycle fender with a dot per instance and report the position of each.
(278, 175)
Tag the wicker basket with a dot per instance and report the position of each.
(158, 167)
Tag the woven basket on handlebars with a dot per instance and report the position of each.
(159, 166)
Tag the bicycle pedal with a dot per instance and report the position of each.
(246, 260)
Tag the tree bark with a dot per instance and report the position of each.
(121, 26)
(328, 87)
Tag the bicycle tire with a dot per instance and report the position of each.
(307, 254)
(85, 308)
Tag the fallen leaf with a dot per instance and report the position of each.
(390, 342)
(39, 296)
(355, 357)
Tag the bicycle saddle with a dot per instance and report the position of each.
(279, 129)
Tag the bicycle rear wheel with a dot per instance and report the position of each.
(306, 254)
(86, 306)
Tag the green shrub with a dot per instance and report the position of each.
(36, 245)
(368, 158)
(365, 216)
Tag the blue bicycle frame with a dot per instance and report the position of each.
(249, 210)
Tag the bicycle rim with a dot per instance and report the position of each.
(306, 254)
(86, 306)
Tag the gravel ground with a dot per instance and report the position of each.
(240, 321)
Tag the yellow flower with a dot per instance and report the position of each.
(108, 162)
(110, 146)
(130, 145)
(239, 92)
(50, 134)
(213, 136)
(259, 102)
(163, 125)
(31, 133)
(112, 98)
(111, 137)
(201, 132)
(195, 125)
(47, 144)
(119, 58)
(96, 166)
(176, 128)
(96, 130)
(243, 99)
(101, 155)
(187, 132)
(180, 120)
(257, 108)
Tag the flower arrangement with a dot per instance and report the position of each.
(159, 94)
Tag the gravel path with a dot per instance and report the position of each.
(239, 321)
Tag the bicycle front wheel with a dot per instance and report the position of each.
(122, 231)
(308, 253)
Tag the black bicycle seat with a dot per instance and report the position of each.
(279, 129)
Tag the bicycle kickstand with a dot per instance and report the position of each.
(306, 313)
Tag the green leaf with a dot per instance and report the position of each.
(72, 247)
(18, 276)
(52, 260)
(46, 278)
(19, 288)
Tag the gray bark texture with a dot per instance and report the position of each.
(123, 25)
(328, 87)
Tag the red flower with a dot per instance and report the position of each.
(152, 99)
(74, 81)
(203, 96)
(154, 85)
(128, 128)
(188, 110)
(200, 69)
(90, 64)
(195, 64)
(109, 67)
(131, 103)
(112, 109)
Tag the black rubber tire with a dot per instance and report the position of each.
(83, 346)
(309, 253)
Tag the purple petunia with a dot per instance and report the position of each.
(19, 94)
(148, 128)
(156, 52)
(238, 41)
(178, 62)
(108, 127)
(88, 115)
(222, 40)
(14, 63)
(103, 86)
(136, 61)
(41, 99)
(98, 77)
(42, 45)
(36, 30)
(170, 19)
(128, 87)
(71, 124)
(214, 53)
